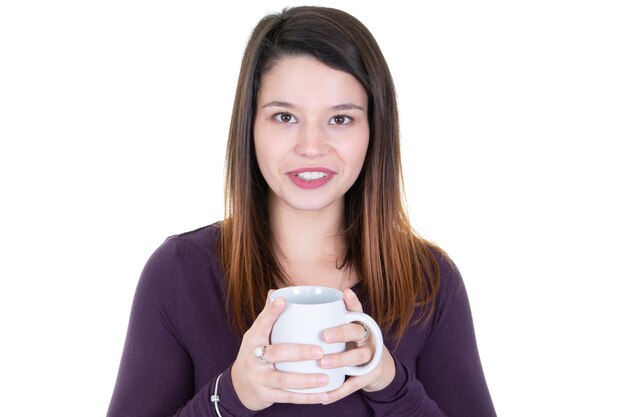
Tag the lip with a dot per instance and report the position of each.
(310, 184)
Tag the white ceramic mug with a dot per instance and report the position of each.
(309, 311)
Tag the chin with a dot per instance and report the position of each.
(312, 205)
(309, 207)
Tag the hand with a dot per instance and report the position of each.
(376, 380)
(259, 385)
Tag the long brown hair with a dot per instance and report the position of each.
(397, 267)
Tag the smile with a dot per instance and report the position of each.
(311, 175)
(311, 178)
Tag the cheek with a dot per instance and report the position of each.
(267, 151)
(260, 146)
(260, 155)
(358, 149)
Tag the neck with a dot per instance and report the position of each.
(309, 244)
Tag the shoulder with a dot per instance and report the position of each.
(205, 239)
(202, 242)
(450, 277)
(451, 296)
(182, 280)
(184, 258)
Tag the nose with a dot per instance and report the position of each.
(312, 141)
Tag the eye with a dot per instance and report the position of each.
(341, 120)
(285, 117)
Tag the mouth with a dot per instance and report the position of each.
(311, 173)
(311, 177)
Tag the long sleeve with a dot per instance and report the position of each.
(447, 379)
(405, 396)
(156, 375)
(449, 365)
(180, 340)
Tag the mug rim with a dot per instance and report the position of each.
(335, 292)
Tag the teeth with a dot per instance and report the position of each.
(311, 175)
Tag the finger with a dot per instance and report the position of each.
(352, 332)
(351, 300)
(282, 396)
(287, 352)
(352, 357)
(266, 318)
(291, 380)
(352, 384)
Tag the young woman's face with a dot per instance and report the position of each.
(310, 133)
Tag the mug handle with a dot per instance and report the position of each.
(352, 316)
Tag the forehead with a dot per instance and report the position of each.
(303, 79)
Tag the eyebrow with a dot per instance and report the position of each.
(343, 106)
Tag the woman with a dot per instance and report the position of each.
(314, 197)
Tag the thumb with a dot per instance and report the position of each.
(264, 322)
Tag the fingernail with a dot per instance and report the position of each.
(329, 336)
(325, 399)
(317, 353)
(326, 363)
(322, 380)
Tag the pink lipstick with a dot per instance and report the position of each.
(310, 178)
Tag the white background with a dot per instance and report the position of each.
(113, 124)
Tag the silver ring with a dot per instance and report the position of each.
(367, 333)
(260, 354)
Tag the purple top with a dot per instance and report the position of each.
(179, 340)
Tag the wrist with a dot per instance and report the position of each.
(388, 366)
(229, 402)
